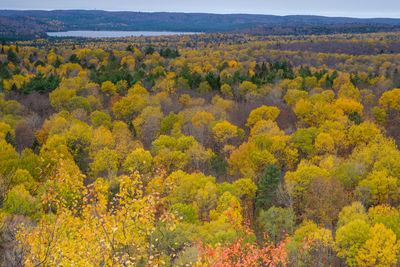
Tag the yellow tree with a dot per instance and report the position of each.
(350, 238)
(105, 163)
(324, 143)
(384, 189)
(318, 247)
(123, 139)
(247, 87)
(294, 95)
(138, 160)
(108, 87)
(98, 235)
(225, 134)
(387, 215)
(249, 161)
(391, 100)
(102, 138)
(301, 178)
(350, 91)
(129, 62)
(8, 159)
(202, 122)
(226, 90)
(128, 107)
(380, 249)
(61, 96)
(262, 113)
(224, 131)
(349, 106)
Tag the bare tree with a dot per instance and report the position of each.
(23, 136)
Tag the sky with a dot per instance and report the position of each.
(346, 8)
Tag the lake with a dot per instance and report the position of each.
(114, 34)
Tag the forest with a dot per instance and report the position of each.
(32, 24)
(201, 150)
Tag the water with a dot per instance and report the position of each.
(113, 34)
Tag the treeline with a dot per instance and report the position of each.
(346, 47)
(317, 28)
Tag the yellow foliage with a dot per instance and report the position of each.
(262, 113)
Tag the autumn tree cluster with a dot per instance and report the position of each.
(206, 150)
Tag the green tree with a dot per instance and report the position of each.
(99, 118)
(267, 185)
(356, 211)
(276, 222)
(388, 216)
(380, 115)
(20, 202)
(187, 213)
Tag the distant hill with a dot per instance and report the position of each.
(24, 27)
(33, 23)
(317, 29)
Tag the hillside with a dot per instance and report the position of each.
(41, 21)
(200, 150)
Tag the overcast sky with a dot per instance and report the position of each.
(349, 8)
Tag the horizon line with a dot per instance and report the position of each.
(213, 13)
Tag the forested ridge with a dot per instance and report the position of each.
(31, 24)
(201, 150)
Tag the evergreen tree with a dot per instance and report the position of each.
(149, 50)
(267, 185)
(12, 57)
(36, 146)
(132, 129)
(396, 78)
(355, 117)
(129, 48)
(10, 139)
